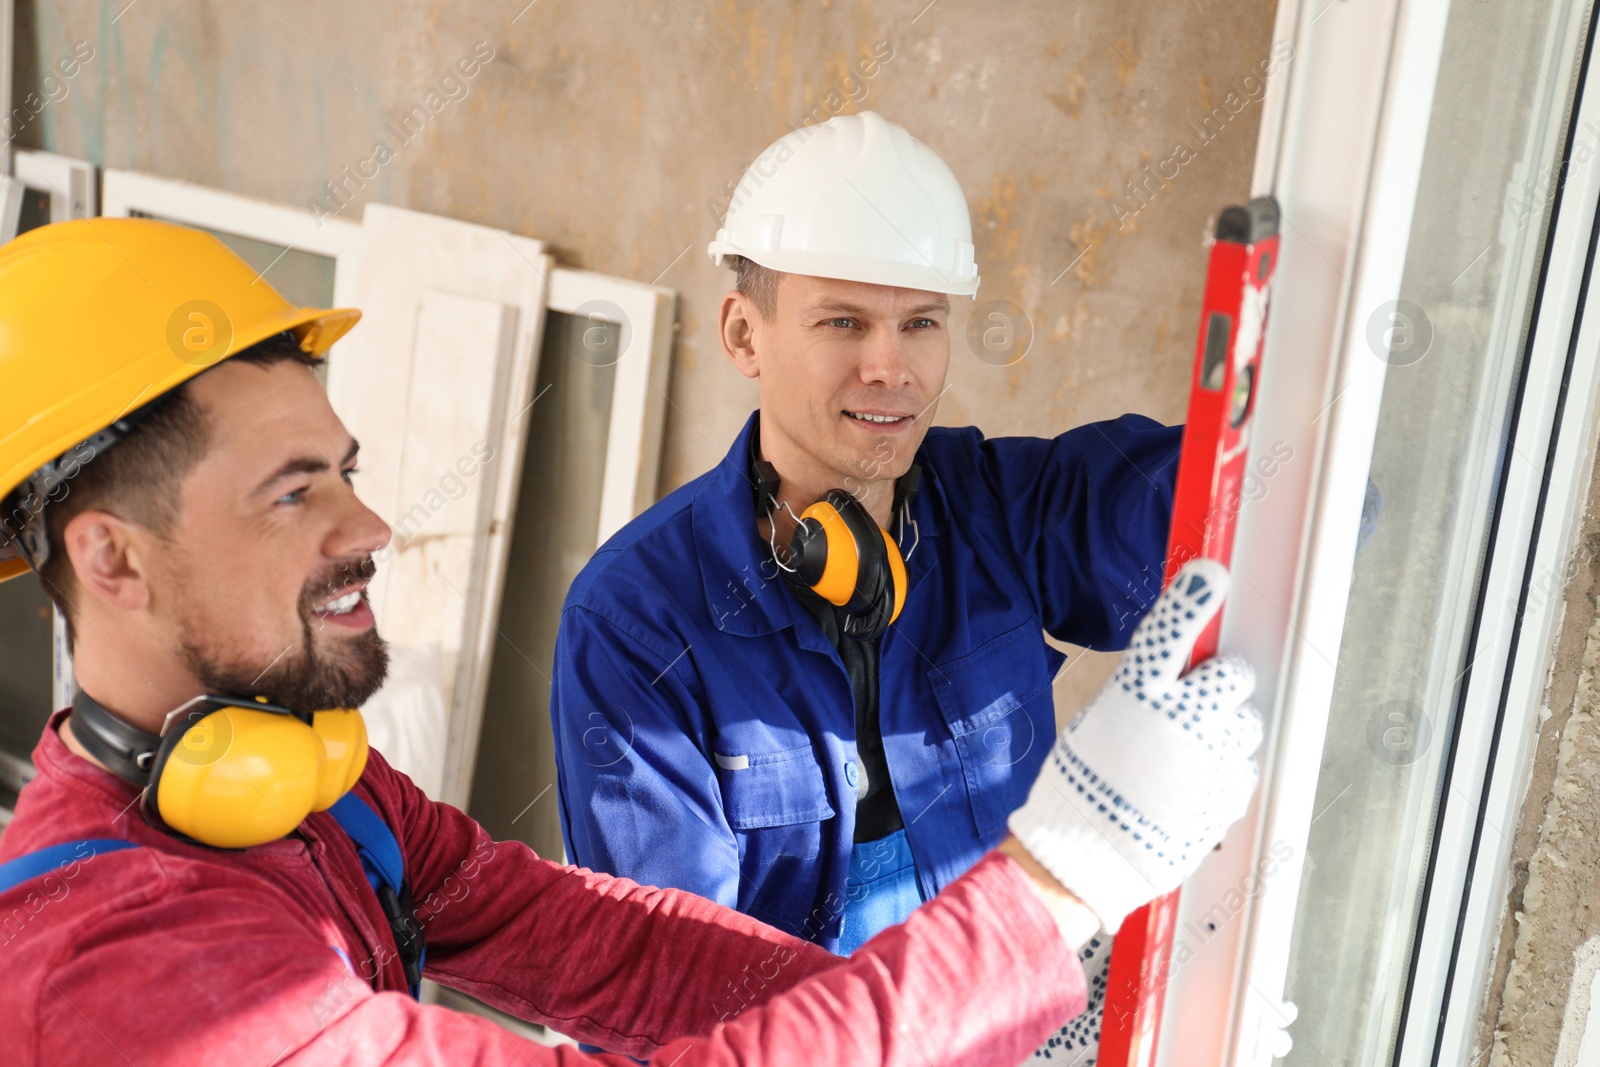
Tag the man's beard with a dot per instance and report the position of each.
(301, 679)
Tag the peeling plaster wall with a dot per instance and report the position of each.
(1537, 1004)
(616, 132)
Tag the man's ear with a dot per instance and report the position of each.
(107, 561)
(738, 332)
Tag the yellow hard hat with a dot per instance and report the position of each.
(98, 317)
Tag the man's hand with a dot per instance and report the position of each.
(1145, 781)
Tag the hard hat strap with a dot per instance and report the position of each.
(31, 540)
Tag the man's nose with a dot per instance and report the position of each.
(884, 361)
(359, 532)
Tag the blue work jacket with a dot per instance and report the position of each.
(705, 726)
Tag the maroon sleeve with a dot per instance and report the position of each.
(154, 967)
(980, 974)
(584, 953)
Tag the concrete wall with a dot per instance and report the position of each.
(1538, 1004)
(616, 131)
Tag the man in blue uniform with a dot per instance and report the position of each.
(723, 722)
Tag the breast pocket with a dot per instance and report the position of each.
(777, 804)
(996, 700)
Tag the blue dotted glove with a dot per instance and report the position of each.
(1077, 1044)
(1145, 781)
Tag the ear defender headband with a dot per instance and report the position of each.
(228, 772)
(839, 552)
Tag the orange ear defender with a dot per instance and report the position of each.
(839, 552)
(230, 772)
(843, 557)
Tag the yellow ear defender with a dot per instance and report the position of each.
(897, 570)
(848, 560)
(230, 772)
(838, 552)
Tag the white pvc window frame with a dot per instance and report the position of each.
(1341, 144)
(1341, 141)
(639, 395)
(11, 192)
(8, 46)
(70, 182)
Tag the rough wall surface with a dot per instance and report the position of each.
(1535, 1012)
(1095, 140)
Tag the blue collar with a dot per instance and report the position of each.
(745, 593)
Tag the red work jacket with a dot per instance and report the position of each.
(179, 954)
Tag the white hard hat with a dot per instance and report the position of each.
(857, 198)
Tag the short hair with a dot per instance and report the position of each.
(760, 284)
(140, 477)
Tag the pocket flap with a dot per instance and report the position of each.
(992, 683)
(772, 788)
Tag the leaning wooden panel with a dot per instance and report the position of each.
(435, 384)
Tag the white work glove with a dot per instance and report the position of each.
(1144, 782)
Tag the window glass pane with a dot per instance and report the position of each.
(35, 209)
(1454, 346)
(555, 532)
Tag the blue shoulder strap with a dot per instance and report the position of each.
(45, 860)
(385, 867)
(375, 843)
